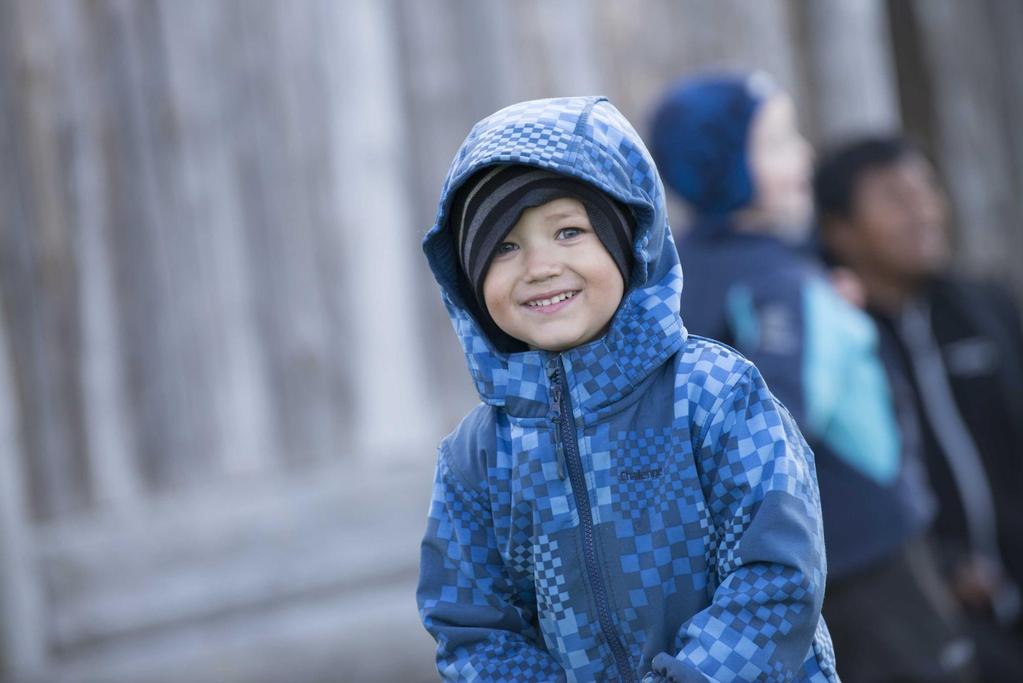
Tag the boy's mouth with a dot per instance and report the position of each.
(548, 303)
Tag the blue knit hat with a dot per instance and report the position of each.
(700, 135)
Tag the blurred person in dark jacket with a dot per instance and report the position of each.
(884, 216)
(729, 145)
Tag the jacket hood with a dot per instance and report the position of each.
(700, 133)
(586, 138)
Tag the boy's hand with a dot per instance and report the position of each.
(976, 582)
(849, 286)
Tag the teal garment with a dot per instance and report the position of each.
(742, 312)
(848, 400)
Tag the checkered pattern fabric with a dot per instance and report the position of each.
(701, 491)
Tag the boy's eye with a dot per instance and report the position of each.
(505, 248)
(568, 233)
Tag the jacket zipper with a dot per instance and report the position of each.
(568, 456)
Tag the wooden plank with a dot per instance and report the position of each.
(971, 131)
(851, 68)
(393, 413)
(159, 282)
(193, 559)
(557, 62)
(38, 270)
(1006, 20)
(373, 636)
(23, 643)
(218, 268)
(112, 468)
(436, 99)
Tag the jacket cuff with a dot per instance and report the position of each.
(668, 669)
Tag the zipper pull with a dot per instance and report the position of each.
(559, 449)
(554, 375)
(556, 401)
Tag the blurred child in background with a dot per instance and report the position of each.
(729, 145)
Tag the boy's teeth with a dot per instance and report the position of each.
(553, 299)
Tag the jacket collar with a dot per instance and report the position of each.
(646, 331)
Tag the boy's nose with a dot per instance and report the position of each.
(541, 267)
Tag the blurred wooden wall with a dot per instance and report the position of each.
(224, 367)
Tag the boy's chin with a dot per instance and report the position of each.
(557, 344)
(552, 348)
(557, 341)
(550, 343)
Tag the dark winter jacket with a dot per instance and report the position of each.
(638, 506)
(974, 329)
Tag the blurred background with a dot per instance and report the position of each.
(224, 366)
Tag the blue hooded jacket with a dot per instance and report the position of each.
(640, 506)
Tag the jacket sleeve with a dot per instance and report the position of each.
(766, 549)
(484, 630)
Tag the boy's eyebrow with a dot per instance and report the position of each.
(568, 213)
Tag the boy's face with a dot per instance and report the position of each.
(897, 229)
(781, 162)
(552, 284)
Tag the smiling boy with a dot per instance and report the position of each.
(627, 502)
